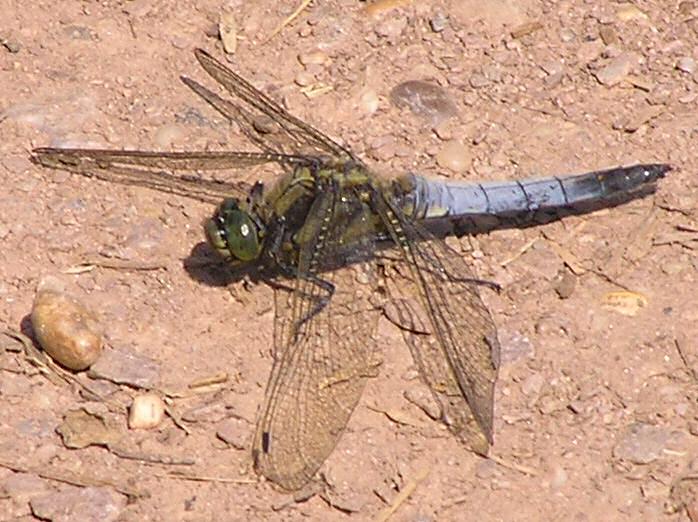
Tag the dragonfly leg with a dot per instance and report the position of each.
(492, 285)
(319, 302)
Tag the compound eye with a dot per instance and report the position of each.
(216, 236)
(241, 235)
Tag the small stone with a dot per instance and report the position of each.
(234, 431)
(438, 22)
(478, 80)
(214, 412)
(382, 148)
(313, 58)
(693, 428)
(617, 69)
(304, 78)
(552, 67)
(146, 412)
(567, 35)
(628, 12)
(486, 469)
(391, 27)
(11, 46)
(425, 99)
(558, 478)
(565, 283)
(686, 64)
(125, 367)
(227, 30)
(444, 131)
(72, 504)
(23, 486)
(514, 347)
(65, 328)
(641, 443)
(424, 401)
(368, 101)
(686, 8)
(608, 35)
(532, 385)
(168, 134)
(454, 156)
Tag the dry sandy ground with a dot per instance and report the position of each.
(596, 413)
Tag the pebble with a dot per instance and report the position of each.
(686, 64)
(313, 58)
(146, 412)
(514, 347)
(390, 27)
(608, 35)
(369, 101)
(304, 78)
(438, 22)
(641, 443)
(532, 385)
(628, 11)
(444, 131)
(71, 504)
(558, 478)
(214, 412)
(617, 69)
(11, 45)
(168, 134)
(425, 99)
(477, 80)
(227, 30)
(65, 328)
(234, 431)
(382, 148)
(125, 367)
(23, 486)
(454, 156)
(565, 283)
(567, 35)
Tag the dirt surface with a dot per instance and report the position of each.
(596, 414)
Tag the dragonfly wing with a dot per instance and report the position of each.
(458, 342)
(324, 354)
(406, 312)
(163, 171)
(294, 135)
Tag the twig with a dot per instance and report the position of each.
(402, 496)
(127, 454)
(70, 477)
(289, 19)
(526, 470)
(204, 478)
(521, 251)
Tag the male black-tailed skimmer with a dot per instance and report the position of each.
(327, 213)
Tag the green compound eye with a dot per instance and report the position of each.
(241, 233)
(233, 233)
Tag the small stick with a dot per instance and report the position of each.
(402, 496)
(289, 19)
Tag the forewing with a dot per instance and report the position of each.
(163, 171)
(293, 135)
(324, 353)
(456, 347)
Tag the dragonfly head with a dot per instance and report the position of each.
(234, 233)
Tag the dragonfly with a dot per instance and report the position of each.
(342, 246)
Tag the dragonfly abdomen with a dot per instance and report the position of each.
(433, 199)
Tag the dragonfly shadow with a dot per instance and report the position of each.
(205, 266)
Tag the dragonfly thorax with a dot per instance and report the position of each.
(234, 233)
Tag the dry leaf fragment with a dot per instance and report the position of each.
(624, 302)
